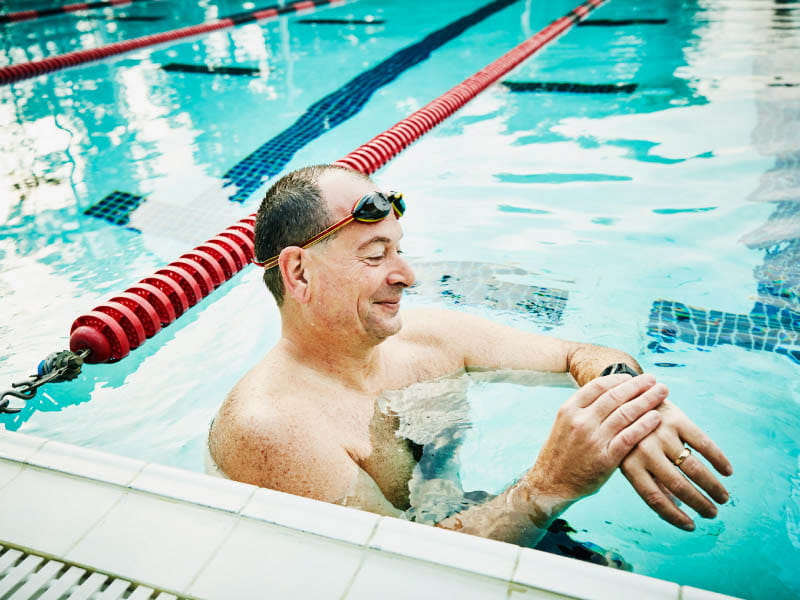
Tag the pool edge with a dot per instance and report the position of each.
(119, 492)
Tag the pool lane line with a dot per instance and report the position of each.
(28, 15)
(270, 158)
(569, 87)
(18, 72)
(621, 22)
(110, 331)
(379, 150)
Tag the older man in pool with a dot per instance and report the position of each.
(304, 420)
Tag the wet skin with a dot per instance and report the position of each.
(303, 419)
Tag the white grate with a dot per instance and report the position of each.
(26, 576)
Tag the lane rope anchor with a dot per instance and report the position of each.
(58, 366)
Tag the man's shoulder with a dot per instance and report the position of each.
(437, 327)
(428, 323)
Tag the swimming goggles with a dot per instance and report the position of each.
(369, 209)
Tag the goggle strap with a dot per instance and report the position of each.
(268, 264)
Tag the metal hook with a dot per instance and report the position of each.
(27, 392)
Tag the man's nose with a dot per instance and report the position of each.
(401, 273)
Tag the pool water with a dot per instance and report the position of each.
(662, 220)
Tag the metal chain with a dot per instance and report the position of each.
(57, 367)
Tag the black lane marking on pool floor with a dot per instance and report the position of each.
(571, 88)
(49, 12)
(207, 70)
(115, 208)
(133, 18)
(340, 21)
(620, 22)
(270, 158)
(769, 328)
(486, 284)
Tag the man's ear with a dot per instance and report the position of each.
(293, 268)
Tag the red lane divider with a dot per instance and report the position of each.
(27, 15)
(18, 72)
(110, 333)
(369, 157)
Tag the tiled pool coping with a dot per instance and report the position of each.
(199, 536)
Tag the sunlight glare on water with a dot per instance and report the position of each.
(646, 207)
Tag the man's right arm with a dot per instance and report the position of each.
(594, 430)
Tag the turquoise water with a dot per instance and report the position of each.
(618, 199)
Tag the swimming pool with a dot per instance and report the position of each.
(621, 202)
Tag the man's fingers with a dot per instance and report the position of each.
(590, 392)
(628, 412)
(620, 394)
(623, 442)
(672, 479)
(695, 470)
(698, 440)
(655, 498)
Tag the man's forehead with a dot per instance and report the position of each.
(341, 189)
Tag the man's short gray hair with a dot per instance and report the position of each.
(291, 212)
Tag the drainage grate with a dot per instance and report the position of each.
(26, 576)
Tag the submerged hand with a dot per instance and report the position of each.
(651, 469)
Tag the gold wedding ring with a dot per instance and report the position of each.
(682, 456)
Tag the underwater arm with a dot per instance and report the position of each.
(594, 430)
(650, 467)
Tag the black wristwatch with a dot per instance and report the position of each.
(619, 368)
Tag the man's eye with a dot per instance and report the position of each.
(376, 258)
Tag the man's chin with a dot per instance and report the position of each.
(385, 327)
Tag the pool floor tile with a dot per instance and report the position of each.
(392, 577)
(578, 579)
(260, 560)
(50, 516)
(161, 542)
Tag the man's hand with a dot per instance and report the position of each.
(651, 469)
(594, 431)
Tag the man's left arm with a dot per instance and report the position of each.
(651, 466)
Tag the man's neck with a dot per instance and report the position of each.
(358, 367)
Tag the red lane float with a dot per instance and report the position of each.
(157, 300)
(383, 147)
(18, 72)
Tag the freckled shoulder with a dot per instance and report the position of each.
(261, 444)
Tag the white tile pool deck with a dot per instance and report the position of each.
(192, 535)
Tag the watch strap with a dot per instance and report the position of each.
(619, 368)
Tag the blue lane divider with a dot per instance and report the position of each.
(270, 158)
